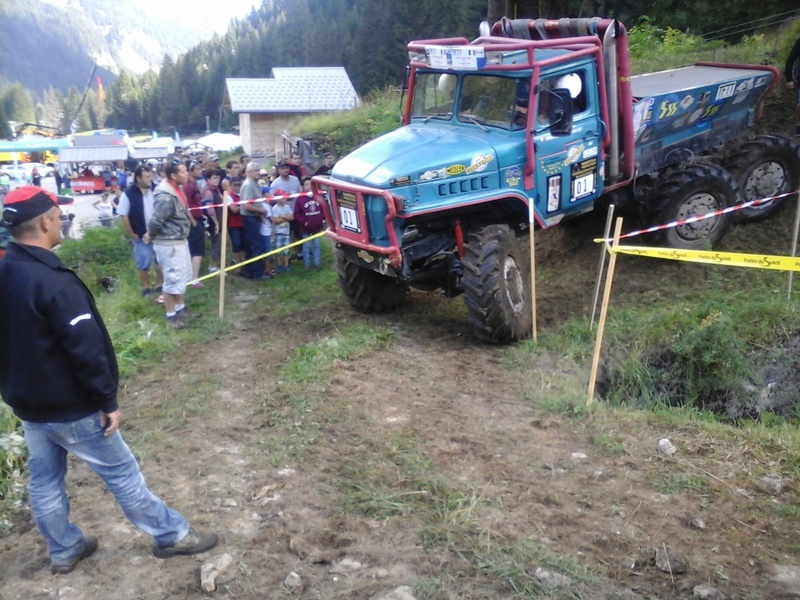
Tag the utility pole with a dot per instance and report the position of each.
(74, 126)
(208, 128)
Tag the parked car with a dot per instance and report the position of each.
(44, 170)
(16, 173)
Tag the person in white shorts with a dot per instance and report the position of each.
(168, 229)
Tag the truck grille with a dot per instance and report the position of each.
(463, 186)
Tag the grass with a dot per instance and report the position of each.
(712, 329)
(299, 401)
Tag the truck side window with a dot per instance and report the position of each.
(575, 82)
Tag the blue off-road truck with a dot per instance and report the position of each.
(534, 122)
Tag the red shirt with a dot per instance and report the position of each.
(193, 198)
(234, 219)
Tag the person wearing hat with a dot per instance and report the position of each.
(288, 184)
(50, 325)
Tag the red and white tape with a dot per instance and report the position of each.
(716, 213)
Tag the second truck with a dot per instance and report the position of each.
(537, 121)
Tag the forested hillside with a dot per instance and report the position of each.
(46, 49)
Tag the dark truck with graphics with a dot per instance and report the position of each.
(537, 121)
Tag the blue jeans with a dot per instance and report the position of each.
(112, 460)
(236, 234)
(253, 246)
(143, 255)
(307, 247)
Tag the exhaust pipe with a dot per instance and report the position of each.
(610, 52)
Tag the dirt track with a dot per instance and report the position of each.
(423, 408)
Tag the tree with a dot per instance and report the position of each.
(52, 108)
(5, 128)
(18, 104)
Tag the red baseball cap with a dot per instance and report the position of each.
(26, 203)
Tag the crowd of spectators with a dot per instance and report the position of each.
(173, 213)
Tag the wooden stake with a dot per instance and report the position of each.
(222, 256)
(601, 325)
(794, 243)
(601, 266)
(533, 277)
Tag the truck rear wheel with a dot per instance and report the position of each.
(693, 191)
(496, 285)
(765, 166)
(368, 291)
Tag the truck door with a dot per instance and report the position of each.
(568, 167)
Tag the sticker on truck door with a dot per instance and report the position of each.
(348, 213)
(583, 177)
(553, 193)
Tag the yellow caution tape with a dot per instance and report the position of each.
(239, 265)
(732, 259)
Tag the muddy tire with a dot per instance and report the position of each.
(693, 191)
(767, 165)
(496, 285)
(368, 291)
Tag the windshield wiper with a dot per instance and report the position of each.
(436, 115)
(476, 122)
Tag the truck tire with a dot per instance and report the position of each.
(496, 285)
(765, 166)
(693, 191)
(368, 291)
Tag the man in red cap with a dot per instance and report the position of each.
(59, 375)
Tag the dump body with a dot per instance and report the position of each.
(694, 109)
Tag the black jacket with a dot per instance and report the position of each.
(57, 363)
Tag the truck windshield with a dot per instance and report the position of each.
(434, 94)
(484, 100)
(494, 101)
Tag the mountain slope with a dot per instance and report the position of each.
(55, 42)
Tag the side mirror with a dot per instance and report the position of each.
(560, 112)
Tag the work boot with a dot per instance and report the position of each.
(175, 322)
(194, 543)
(90, 545)
(184, 315)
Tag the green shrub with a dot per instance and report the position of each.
(12, 451)
(102, 252)
(644, 37)
(345, 131)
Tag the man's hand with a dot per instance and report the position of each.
(146, 238)
(110, 422)
(790, 85)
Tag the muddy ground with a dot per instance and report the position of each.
(286, 474)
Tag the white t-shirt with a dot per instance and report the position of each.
(124, 207)
(105, 210)
(266, 221)
(282, 211)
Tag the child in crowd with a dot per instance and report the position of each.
(282, 215)
(310, 220)
(266, 234)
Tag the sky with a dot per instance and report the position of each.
(200, 14)
(213, 16)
